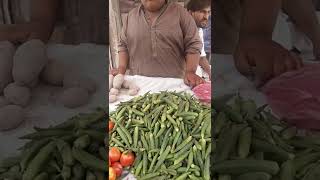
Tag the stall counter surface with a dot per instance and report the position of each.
(152, 85)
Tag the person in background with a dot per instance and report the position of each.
(61, 21)
(207, 40)
(160, 39)
(200, 10)
(244, 28)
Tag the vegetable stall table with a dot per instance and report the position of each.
(44, 110)
(181, 119)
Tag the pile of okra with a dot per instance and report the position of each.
(249, 143)
(72, 150)
(169, 132)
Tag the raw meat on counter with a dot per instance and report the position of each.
(295, 96)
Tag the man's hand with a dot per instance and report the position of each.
(115, 71)
(264, 59)
(192, 80)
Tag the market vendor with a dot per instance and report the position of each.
(160, 39)
(249, 37)
(59, 21)
(200, 10)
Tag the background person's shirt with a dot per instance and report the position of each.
(203, 52)
(207, 37)
(159, 50)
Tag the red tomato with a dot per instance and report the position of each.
(112, 174)
(114, 154)
(127, 158)
(118, 168)
(111, 125)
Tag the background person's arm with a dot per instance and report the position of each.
(41, 25)
(204, 64)
(303, 15)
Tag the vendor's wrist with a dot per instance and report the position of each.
(190, 72)
(122, 70)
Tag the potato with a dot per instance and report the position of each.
(34, 83)
(53, 73)
(74, 97)
(28, 61)
(75, 79)
(114, 91)
(6, 63)
(110, 81)
(133, 92)
(3, 101)
(18, 95)
(118, 80)
(11, 116)
(134, 86)
(112, 98)
(126, 84)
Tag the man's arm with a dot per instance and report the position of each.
(192, 62)
(123, 48)
(192, 44)
(123, 62)
(303, 15)
(41, 25)
(259, 17)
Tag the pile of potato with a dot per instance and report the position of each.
(21, 70)
(116, 83)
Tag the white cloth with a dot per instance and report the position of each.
(152, 85)
(226, 79)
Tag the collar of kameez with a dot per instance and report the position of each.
(163, 8)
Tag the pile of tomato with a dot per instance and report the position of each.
(118, 160)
